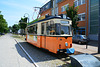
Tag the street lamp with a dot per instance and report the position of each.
(27, 17)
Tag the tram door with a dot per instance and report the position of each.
(43, 31)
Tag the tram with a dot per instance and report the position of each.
(53, 34)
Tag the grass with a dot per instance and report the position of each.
(66, 65)
(18, 36)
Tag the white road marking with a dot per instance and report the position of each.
(27, 54)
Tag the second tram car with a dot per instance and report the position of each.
(52, 33)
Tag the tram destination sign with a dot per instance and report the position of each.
(64, 22)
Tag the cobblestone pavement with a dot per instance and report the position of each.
(11, 55)
(93, 50)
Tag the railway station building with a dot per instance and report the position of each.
(88, 14)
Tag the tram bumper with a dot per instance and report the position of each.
(70, 50)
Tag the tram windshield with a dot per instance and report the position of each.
(57, 29)
(65, 30)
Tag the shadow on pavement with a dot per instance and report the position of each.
(94, 53)
(90, 43)
(93, 43)
(21, 52)
(38, 54)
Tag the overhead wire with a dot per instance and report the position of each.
(36, 9)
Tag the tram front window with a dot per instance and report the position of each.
(65, 30)
(57, 29)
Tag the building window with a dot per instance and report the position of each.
(81, 17)
(75, 2)
(56, 11)
(81, 31)
(53, 3)
(66, 6)
(52, 11)
(94, 14)
(47, 14)
(63, 8)
(83, 1)
(79, 2)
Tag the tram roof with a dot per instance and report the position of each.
(51, 17)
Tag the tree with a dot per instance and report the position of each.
(3, 24)
(10, 29)
(23, 24)
(33, 21)
(15, 28)
(72, 14)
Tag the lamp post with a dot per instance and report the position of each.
(99, 31)
(27, 17)
(27, 22)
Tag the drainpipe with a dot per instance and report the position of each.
(86, 14)
(99, 31)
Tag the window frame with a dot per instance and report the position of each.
(76, 3)
(33, 28)
(63, 7)
(81, 3)
(80, 30)
(81, 19)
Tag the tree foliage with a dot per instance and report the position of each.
(10, 28)
(3, 24)
(23, 23)
(72, 14)
(33, 21)
(15, 28)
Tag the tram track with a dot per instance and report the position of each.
(61, 56)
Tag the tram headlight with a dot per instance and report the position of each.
(66, 44)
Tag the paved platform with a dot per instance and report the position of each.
(93, 50)
(11, 55)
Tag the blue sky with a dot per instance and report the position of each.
(13, 10)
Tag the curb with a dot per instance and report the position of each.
(27, 54)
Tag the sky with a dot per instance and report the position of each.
(13, 10)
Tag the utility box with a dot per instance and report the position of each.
(84, 60)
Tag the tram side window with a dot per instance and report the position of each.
(42, 29)
(35, 29)
(50, 28)
(30, 29)
(65, 30)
